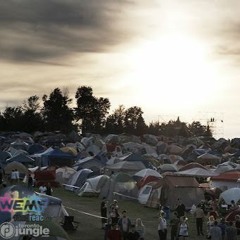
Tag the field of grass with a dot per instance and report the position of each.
(90, 226)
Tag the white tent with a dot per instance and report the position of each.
(147, 172)
(230, 194)
(197, 172)
(93, 186)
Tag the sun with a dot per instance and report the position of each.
(173, 69)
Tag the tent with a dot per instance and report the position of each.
(15, 165)
(36, 148)
(120, 186)
(208, 159)
(197, 172)
(192, 165)
(167, 168)
(230, 194)
(91, 162)
(180, 187)
(78, 179)
(146, 172)
(226, 180)
(4, 156)
(22, 158)
(126, 166)
(150, 193)
(19, 144)
(147, 180)
(63, 174)
(93, 186)
(57, 158)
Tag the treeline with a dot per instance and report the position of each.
(89, 114)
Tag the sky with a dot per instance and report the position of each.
(171, 58)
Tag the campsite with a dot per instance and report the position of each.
(144, 175)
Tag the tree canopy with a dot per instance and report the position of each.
(89, 114)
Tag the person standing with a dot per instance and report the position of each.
(13, 177)
(223, 227)
(199, 215)
(162, 227)
(124, 224)
(103, 210)
(30, 181)
(133, 234)
(216, 232)
(210, 224)
(140, 228)
(183, 228)
(43, 189)
(17, 175)
(237, 223)
(174, 223)
(231, 232)
(180, 209)
(49, 189)
(114, 233)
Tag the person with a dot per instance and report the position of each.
(180, 209)
(199, 215)
(183, 228)
(114, 215)
(13, 177)
(174, 222)
(103, 210)
(30, 181)
(223, 227)
(215, 231)
(210, 224)
(233, 205)
(140, 228)
(17, 174)
(114, 233)
(49, 189)
(124, 224)
(43, 189)
(114, 211)
(213, 213)
(237, 223)
(133, 234)
(162, 227)
(231, 232)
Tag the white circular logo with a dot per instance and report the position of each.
(7, 230)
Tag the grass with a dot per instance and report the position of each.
(90, 226)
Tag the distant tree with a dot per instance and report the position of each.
(31, 114)
(134, 122)
(197, 129)
(56, 112)
(115, 122)
(12, 119)
(90, 110)
(154, 128)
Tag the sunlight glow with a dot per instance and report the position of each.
(174, 69)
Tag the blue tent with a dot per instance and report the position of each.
(57, 157)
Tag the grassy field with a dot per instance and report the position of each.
(90, 226)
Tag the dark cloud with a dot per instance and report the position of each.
(38, 29)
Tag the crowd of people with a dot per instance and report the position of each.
(119, 226)
(172, 224)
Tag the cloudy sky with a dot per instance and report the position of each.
(169, 57)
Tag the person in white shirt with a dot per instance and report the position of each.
(43, 189)
(183, 228)
(13, 177)
(162, 227)
(17, 175)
